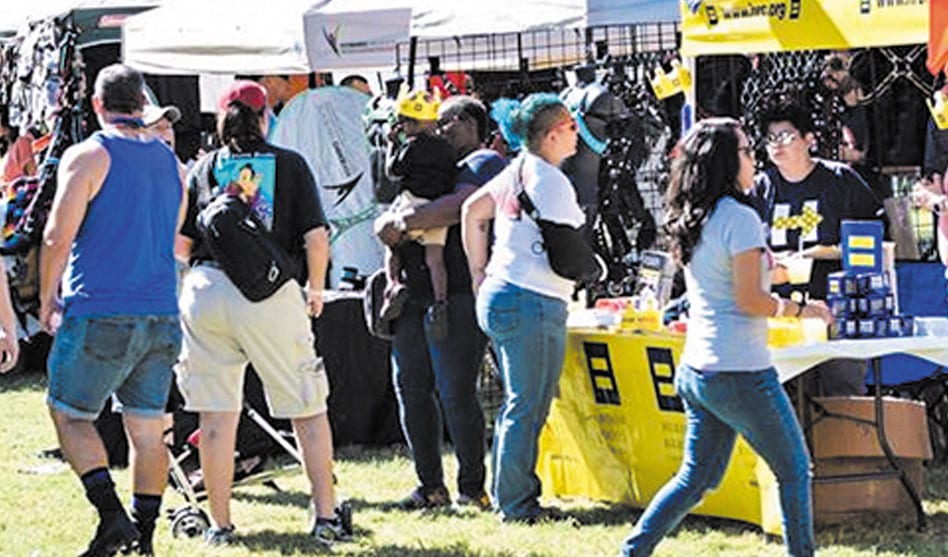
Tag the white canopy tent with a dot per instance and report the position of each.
(218, 36)
(280, 36)
(439, 19)
(15, 14)
(494, 35)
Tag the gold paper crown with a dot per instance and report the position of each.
(939, 109)
(419, 105)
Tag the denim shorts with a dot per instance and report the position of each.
(128, 356)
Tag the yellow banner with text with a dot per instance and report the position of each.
(751, 26)
(616, 430)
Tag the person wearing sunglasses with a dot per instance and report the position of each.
(521, 301)
(803, 200)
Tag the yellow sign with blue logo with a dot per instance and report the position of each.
(742, 26)
(616, 430)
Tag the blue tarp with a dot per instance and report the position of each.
(921, 294)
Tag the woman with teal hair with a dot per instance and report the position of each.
(521, 301)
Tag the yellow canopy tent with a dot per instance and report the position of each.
(741, 26)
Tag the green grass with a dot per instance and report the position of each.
(47, 515)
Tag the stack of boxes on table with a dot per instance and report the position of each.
(863, 305)
(862, 297)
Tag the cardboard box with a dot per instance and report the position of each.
(835, 436)
(842, 446)
(836, 502)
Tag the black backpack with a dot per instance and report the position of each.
(243, 247)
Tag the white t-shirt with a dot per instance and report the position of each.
(518, 256)
(721, 337)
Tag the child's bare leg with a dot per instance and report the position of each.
(392, 266)
(395, 291)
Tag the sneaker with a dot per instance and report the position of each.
(328, 531)
(480, 502)
(417, 500)
(114, 532)
(219, 536)
(436, 320)
(394, 300)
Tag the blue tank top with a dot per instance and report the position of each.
(122, 260)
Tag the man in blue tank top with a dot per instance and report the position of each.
(107, 293)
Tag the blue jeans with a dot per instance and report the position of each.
(718, 406)
(528, 331)
(130, 356)
(427, 370)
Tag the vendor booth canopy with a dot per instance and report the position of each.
(273, 37)
(494, 35)
(288, 36)
(432, 19)
(742, 26)
(98, 20)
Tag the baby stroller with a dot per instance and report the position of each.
(264, 451)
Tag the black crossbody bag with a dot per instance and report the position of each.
(243, 247)
(570, 254)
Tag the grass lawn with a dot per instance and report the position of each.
(44, 512)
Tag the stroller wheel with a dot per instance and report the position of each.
(189, 522)
(344, 512)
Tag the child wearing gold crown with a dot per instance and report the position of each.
(423, 165)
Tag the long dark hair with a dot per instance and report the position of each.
(239, 128)
(705, 171)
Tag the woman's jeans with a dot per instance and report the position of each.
(528, 331)
(718, 406)
(427, 371)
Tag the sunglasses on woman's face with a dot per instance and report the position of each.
(571, 123)
(782, 138)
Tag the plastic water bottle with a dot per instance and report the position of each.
(650, 314)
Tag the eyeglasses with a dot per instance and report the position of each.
(782, 138)
(747, 150)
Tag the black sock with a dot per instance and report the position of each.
(145, 507)
(100, 490)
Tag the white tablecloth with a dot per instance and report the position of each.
(794, 360)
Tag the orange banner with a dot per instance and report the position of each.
(938, 36)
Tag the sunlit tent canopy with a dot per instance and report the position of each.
(273, 37)
(491, 35)
(438, 19)
(216, 36)
(738, 26)
(98, 20)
